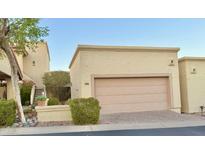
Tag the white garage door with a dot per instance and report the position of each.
(132, 94)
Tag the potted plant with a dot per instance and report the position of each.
(40, 100)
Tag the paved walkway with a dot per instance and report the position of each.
(128, 121)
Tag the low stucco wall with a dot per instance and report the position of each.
(53, 113)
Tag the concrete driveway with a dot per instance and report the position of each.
(150, 117)
(149, 123)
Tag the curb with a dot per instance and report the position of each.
(101, 127)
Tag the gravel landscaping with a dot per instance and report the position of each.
(31, 122)
(53, 123)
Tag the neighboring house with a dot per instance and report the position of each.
(127, 78)
(31, 68)
(192, 83)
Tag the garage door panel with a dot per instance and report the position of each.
(132, 99)
(133, 82)
(104, 91)
(132, 94)
(119, 108)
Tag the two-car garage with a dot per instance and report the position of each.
(127, 78)
(118, 95)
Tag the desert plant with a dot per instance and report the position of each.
(27, 109)
(85, 110)
(40, 98)
(53, 101)
(7, 112)
(68, 101)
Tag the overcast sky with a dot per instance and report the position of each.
(66, 34)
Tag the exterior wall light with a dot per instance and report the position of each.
(171, 62)
(4, 82)
(33, 63)
(86, 83)
(193, 71)
(202, 110)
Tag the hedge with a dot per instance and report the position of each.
(85, 111)
(62, 93)
(53, 101)
(7, 112)
(56, 79)
(57, 84)
(26, 93)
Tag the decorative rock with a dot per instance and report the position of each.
(21, 124)
(18, 118)
(15, 125)
(29, 120)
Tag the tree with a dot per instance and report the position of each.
(56, 78)
(18, 35)
(57, 84)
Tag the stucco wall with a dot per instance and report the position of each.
(41, 58)
(183, 86)
(5, 66)
(53, 113)
(192, 85)
(2, 89)
(9, 89)
(75, 77)
(128, 62)
(20, 61)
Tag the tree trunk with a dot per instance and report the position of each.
(14, 77)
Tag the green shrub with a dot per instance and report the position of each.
(33, 105)
(53, 101)
(57, 84)
(29, 112)
(7, 112)
(40, 98)
(68, 101)
(56, 79)
(62, 93)
(25, 91)
(27, 109)
(85, 110)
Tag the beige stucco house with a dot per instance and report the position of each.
(192, 83)
(127, 78)
(32, 68)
